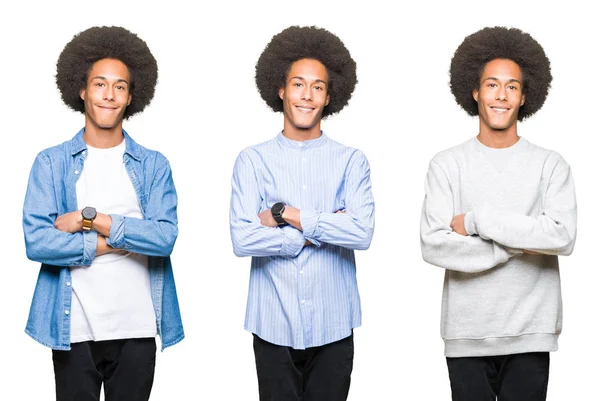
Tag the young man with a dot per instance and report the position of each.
(100, 214)
(497, 212)
(301, 204)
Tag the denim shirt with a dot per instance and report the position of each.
(51, 193)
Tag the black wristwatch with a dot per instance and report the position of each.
(88, 214)
(277, 210)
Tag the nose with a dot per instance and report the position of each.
(307, 93)
(501, 93)
(109, 93)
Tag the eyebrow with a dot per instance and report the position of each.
(302, 79)
(104, 78)
(497, 79)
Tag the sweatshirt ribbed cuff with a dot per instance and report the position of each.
(469, 222)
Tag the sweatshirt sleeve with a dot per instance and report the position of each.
(552, 232)
(441, 246)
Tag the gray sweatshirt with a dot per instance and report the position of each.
(498, 300)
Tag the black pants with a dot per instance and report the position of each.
(314, 374)
(517, 377)
(126, 367)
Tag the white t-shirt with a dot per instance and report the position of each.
(111, 298)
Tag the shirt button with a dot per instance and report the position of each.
(304, 159)
(66, 312)
(76, 172)
(301, 272)
(68, 283)
(304, 187)
(301, 144)
(303, 302)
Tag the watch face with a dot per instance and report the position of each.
(88, 213)
(277, 208)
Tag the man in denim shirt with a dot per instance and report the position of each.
(100, 214)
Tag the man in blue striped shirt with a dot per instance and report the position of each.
(301, 204)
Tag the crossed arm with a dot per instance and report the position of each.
(291, 215)
(483, 238)
(255, 233)
(72, 222)
(58, 240)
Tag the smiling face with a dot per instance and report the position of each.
(499, 96)
(106, 95)
(304, 97)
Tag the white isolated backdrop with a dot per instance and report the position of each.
(206, 109)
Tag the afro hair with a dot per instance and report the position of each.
(296, 43)
(500, 43)
(97, 43)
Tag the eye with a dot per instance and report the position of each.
(297, 84)
(491, 85)
(318, 88)
(100, 84)
(120, 87)
(513, 87)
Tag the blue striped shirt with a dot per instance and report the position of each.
(302, 296)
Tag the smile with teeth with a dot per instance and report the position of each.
(499, 109)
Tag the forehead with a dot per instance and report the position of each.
(308, 69)
(502, 68)
(109, 68)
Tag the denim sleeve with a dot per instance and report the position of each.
(352, 229)
(155, 234)
(248, 235)
(43, 242)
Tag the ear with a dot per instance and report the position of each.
(281, 92)
(82, 93)
(522, 99)
(327, 100)
(476, 94)
(129, 99)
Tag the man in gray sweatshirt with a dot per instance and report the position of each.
(497, 212)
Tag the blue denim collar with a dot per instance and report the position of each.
(131, 147)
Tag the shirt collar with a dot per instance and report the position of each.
(311, 143)
(131, 147)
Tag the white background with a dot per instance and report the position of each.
(206, 109)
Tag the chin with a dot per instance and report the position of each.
(107, 125)
(307, 125)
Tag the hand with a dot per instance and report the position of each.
(266, 218)
(102, 223)
(292, 216)
(458, 224)
(102, 247)
(341, 211)
(69, 222)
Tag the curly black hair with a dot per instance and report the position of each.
(493, 43)
(296, 43)
(97, 43)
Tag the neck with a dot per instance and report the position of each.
(498, 138)
(299, 134)
(102, 138)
